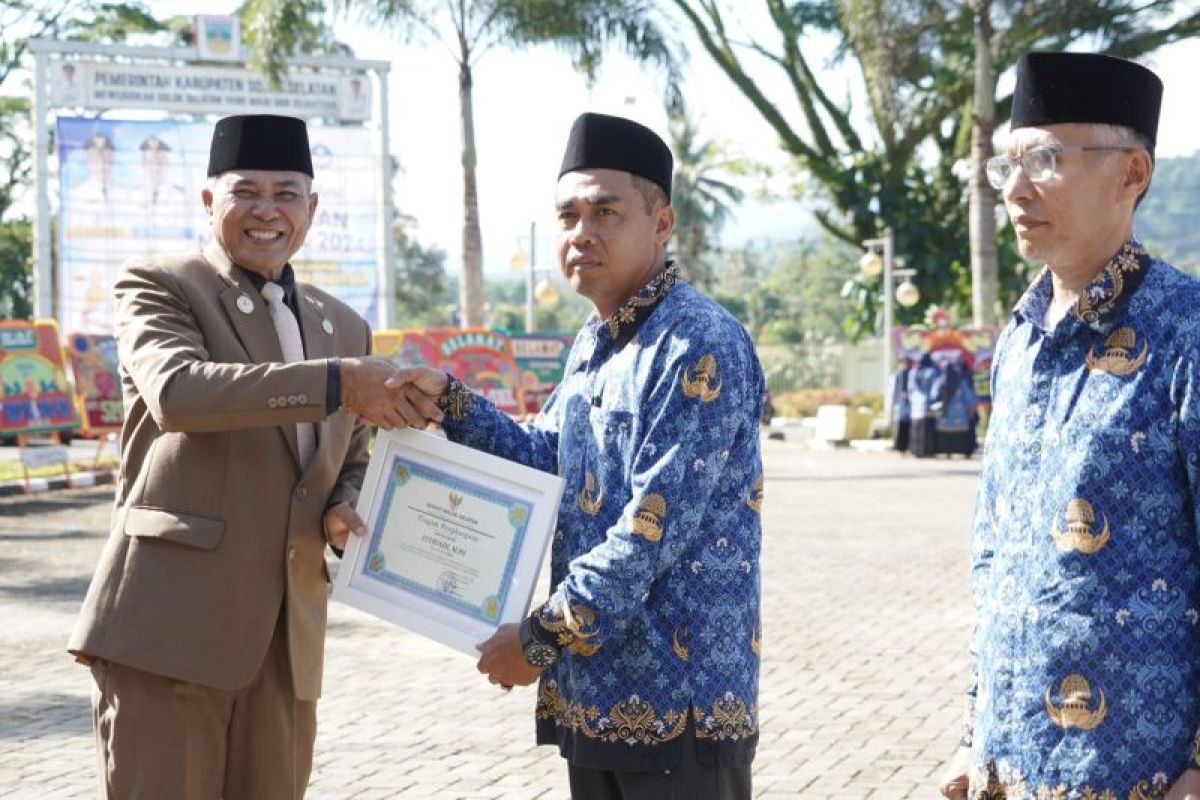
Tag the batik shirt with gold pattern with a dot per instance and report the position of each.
(1085, 559)
(655, 560)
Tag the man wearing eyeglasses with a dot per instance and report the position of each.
(1085, 563)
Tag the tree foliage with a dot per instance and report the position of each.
(915, 58)
(584, 29)
(276, 29)
(1166, 220)
(422, 290)
(702, 201)
(788, 292)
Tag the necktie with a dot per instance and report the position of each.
(288, 331)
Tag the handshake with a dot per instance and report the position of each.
(377, 391)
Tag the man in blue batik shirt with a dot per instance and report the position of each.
(1086, 568)
(648, 648)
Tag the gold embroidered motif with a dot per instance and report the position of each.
(986, 785)
(456, 401)
(589, 501)
(1145, 790)
(581, 622)
(705, 371)
(573, 630)
(1076, 694)
(632, 721)
(1079, 535)
(648, 520)
(1116, 360)
(680, 646)
(755, 500)
(756, 641)
(1003, 782)
(648, 296)
(730, 719)
(1097, 300)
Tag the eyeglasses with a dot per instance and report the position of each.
(1039, 163)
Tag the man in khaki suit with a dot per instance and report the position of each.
(243, 452)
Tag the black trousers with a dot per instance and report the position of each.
(689, 781)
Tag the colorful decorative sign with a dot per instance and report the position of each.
(35, 396)
(977, 346)
(480, 358)
(97, 383)
(541, 359)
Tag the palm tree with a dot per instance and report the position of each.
(702, 201)
(468, 29)
(985, 263)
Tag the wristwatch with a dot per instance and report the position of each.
(537, 653)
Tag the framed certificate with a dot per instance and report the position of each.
(455, 538)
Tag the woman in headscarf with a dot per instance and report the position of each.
(921, 397)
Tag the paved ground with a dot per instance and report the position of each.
(866, 621)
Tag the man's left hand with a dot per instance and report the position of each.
(340, 521)
(502, 659)
(1187, 787)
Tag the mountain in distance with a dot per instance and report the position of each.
(1168, 221)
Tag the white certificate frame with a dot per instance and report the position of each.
(365, 579)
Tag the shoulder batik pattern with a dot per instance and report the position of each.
(1086, 569)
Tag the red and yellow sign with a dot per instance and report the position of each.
(480, 358)
(542, 358)
(35, 396)
(97, 383)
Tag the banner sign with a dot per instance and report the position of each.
(133, 188)
(541, 360)
(480, 358)
(97, 382)
(208, 90)
(35, 393)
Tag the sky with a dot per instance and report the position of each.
(525, 101)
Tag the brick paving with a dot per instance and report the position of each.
(867, 614)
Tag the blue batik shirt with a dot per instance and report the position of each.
(957, 397)
(655, 560)
(1085, 559)
(920, 391)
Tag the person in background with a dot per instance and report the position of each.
(957, 416)
(901, 407)
(921, 398)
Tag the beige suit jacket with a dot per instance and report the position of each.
(215, 525)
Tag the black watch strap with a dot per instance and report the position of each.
(537, 651)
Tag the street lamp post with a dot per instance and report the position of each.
(530, 316)
(886, 243)
(537, 292)
(907, 293)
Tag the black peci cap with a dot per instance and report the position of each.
(260, 141)
(600, 141)
(1055, 88)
